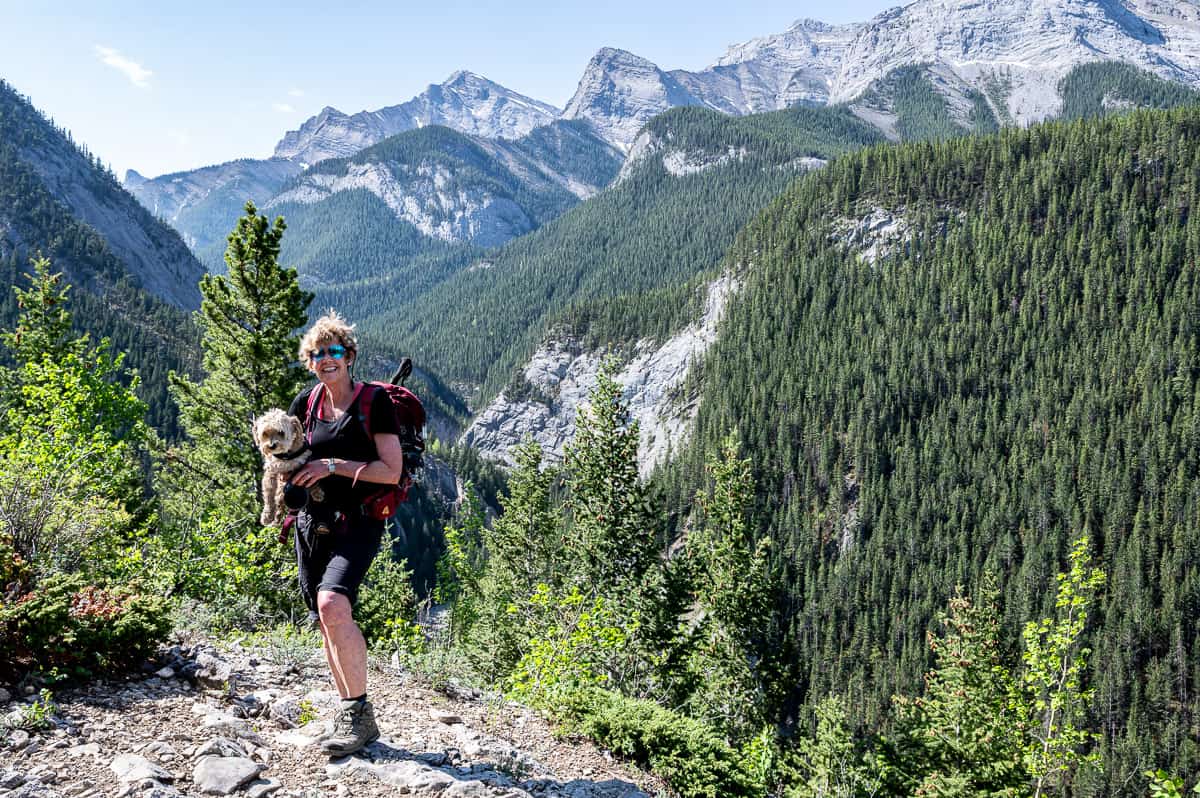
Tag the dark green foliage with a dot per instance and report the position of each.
(387, 605)
(1106, 86)
(965, 734)
(249, 319)
(693, 760)
(65, 626)
(727, 651)
(209, 485)
(1025, 366)
(612, 536)
(652, 230)
(922, 112)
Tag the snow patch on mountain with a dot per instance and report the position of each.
(561, 373)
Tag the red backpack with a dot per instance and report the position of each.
(410, 426)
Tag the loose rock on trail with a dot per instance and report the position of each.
(206, 721)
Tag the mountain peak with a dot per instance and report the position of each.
(620, 91)
(465, 101)
(464, 77)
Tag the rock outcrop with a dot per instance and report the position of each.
(561, 373)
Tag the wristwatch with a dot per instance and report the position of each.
(331, 466)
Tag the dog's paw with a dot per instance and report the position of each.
(267, 518)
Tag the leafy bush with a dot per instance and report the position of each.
(1164, 785)
(692, 759)
(34, 716)
(387, 606)
(288, 646)
(67, 626)
(573, 642)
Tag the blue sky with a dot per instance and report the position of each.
(166, 86)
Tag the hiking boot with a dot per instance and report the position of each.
(353, 728)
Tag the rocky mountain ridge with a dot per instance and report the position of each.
(1014, 52)
(465, 102)
(459, 188)
(41, 160)
(1004, 58)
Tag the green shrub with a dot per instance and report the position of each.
(573, 642)
(34, 716)
(693, 760)
(288, 646)
(1164, 785)
(387, 606)
(66, 626)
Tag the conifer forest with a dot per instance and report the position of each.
(932, 527)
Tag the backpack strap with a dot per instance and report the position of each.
(365, 397)
(314, 405)
(314, 408)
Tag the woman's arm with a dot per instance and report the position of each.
(385, 471)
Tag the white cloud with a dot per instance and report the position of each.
(283, 108)
(295, 93)
(181, 137)
(138, 75)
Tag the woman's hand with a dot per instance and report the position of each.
(312, 472)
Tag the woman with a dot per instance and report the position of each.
(335, 540)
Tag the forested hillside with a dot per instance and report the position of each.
(652, 229)
(1018, 367)
(438, 186)
(916, 102)
(110, 300)
(1106, 86)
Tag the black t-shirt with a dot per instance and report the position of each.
(346, 439)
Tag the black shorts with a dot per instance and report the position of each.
(336, 561)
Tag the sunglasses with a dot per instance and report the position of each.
(337, 352)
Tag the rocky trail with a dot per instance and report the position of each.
(208, 721)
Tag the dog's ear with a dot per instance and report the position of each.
(256, 428)
(297, 428)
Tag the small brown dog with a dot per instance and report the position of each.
(280, 438)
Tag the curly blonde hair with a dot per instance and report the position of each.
(329, 329)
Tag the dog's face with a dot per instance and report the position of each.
(277, 433)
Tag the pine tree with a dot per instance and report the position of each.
(963, 736)
(731, 589)
(44, 324)
(612, 534)
(249, 321)
(524, 549)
